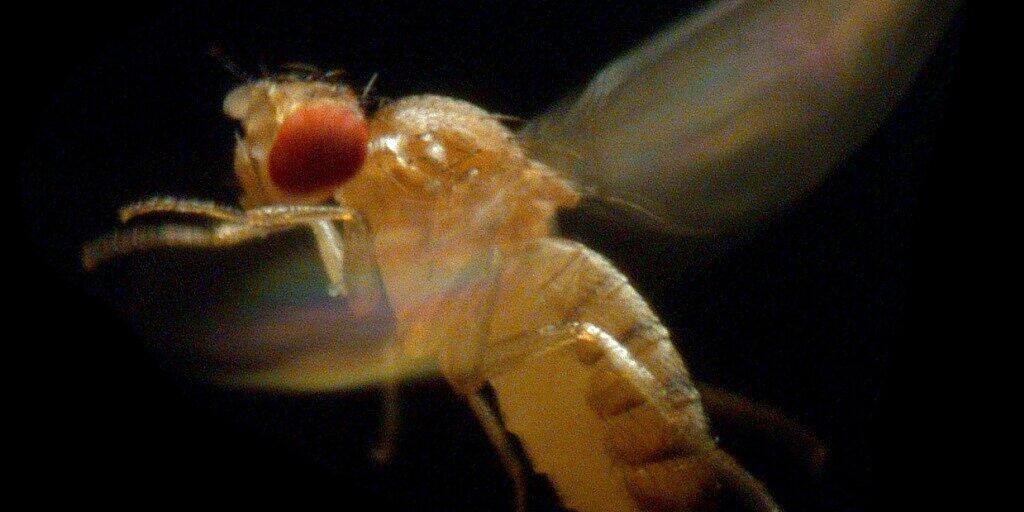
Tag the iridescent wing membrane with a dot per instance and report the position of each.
(731, 114)
(256, 315)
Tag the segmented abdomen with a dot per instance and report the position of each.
(649, 421)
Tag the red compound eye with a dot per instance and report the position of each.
(318, 148)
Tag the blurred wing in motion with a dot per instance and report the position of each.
(256, 316)
(735, 112)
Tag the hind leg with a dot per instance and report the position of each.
(649, 417)
(656, 427)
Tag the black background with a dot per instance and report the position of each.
(832, 313)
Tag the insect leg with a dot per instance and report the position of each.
(767, 425)
(267, 216)
(287, 215)
(390, 415)
(144, 238)
(656, 426)
(331, 245)
(651, 414)
(320, 219)
(491, 424)
(514, 350)
(164, 204)
(239, 227)
(368, 302)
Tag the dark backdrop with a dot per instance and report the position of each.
(829, 313)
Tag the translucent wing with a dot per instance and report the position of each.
(735, 112)
(255, 316)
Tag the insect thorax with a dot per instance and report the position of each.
(445, 188)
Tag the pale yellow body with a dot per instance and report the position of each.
(584, 372)
(448, 250)
(461, 219)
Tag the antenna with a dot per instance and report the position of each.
(229, 64)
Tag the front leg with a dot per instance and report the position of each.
(145, 238)
(233, 226)
(349, 261)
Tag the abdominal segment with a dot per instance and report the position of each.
(602, 403)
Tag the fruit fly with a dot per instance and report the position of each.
(433, 221)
